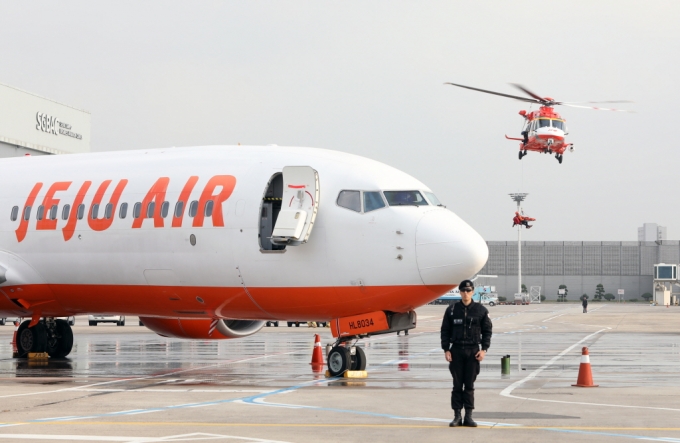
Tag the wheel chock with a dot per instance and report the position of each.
(355, 374)
(350, 374)
(38, 355)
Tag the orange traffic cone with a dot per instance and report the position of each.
(585, 375)
(317, 355)
(15, 350)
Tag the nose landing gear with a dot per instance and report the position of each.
(345, 358)
(559, 157)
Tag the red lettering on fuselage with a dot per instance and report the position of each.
(227, 182)
(184, 198)
(23, 224)
(47, 223)
(101, 224)
(218, 189)
(157, 195)
(70, 227)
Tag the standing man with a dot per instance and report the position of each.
(465, 327)
(585, 304)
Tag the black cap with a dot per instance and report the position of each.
(466, 284)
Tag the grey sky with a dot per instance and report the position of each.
(367, 78)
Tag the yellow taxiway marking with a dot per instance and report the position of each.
(331, 425)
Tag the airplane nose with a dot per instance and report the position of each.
(448, 250)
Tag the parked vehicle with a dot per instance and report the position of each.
(93, 320)
(483, 294)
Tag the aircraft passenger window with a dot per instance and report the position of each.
(543, 123)
(405, 198)
(108, 211)
(39, 214)
(15, 212)
(193, 208)
(179, 208)
(137, 210)
(350, 200)
(150, 209)
(209, 208)
(165, 207)
(122, 212)
(433, 199)
(27, 213)
(95, 211)
(373, 201)
(53, 212)
(81, 211)
(65, 212)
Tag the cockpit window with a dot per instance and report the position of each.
(372, 201)
(543, 122)
(559, 124)
(350, 200)
(433, 199)
(405, 198)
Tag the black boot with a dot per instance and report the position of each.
(468, 419)
(457, 419)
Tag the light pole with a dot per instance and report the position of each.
(519, 198)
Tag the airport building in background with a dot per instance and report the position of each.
(30, 124)
(651, 232)
(581, 266)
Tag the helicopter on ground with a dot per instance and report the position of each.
(544, 129)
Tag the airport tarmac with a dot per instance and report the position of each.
(126, 384)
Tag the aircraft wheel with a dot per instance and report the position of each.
(520, 155)
(358, 359)
(31, 339)
(339, 361)
(3, 321)
(92, 323)
(60, 346)
(559, 159)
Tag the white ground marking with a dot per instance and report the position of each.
(183, 437)
(548, 319)
(80, 388)
(507, 392)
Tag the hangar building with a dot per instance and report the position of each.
(627, 265)
(30, 124)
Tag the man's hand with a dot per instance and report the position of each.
(480, 355)
(447, 355)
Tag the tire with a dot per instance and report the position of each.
(64, 340)
(3, 321)
(297, 324)
(121, 323)
(31, 339)
(140, 323)
(276, 323)
(492, 304)
(71, 321)
(92, 323)
(290, 324)
(358, 359)
(338, 361)
(520, 155)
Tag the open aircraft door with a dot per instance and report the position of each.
(299, 205)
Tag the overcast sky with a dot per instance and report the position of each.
(367, 78)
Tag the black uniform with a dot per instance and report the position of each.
(464, 328)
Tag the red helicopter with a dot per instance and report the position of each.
(544, 129)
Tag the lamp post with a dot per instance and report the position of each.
(519, 198)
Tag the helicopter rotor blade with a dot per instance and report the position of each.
(605, 101)
(524, 99)
(596, 108)
(529, 93)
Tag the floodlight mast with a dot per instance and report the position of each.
(519, 198)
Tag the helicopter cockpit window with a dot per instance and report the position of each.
(543, 122)
(559, 124)
(405, 198)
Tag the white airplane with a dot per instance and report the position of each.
(211, 242)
